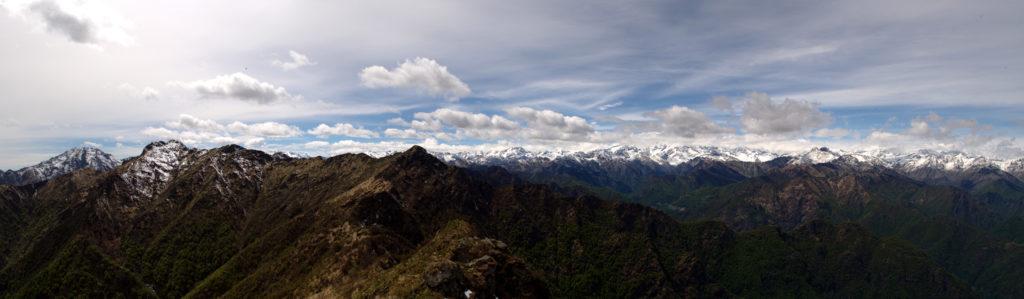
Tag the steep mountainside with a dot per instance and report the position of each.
(67, 162)
(231, 222)
(974, 230)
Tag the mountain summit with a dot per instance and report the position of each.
(69, 161)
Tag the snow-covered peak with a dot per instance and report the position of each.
(675, 155)
(157, 164)
(816, 155)
(659, 154)
(164, 146)
(944, 160)
(1015, 167)
(64, 163)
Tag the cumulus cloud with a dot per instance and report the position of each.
(398, 121)
(685, 122)
(238, 86)
(532, 125)
(762, 115)
(194, 130)
(298, 60)
(342, 129)
(265, 129)
(547, 124)
(476, 125)
(412, 134)
(421, 74)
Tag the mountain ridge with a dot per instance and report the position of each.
(238, 223)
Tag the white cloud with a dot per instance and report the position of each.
(404, 133)
(934, 131)
(342, 129)
(82, 22)
(193, 130)
(538, 125)
(428, 123)
(145, 93)
(192, 123)
(398, 121)
(935, 126)
(685, 122)
(475, 125)
(609, 106)
(421, 74)
(238, 86)
(762, 115)
(298, 60)
(382, 148)
(832, 133)
(91, 144)
(264, 129)
(547, 124)
(919, 127)
(318, 144)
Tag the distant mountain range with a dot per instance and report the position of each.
(939, 167)
(678, 155)
(177, 221)
(966, 212)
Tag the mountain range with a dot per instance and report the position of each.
(177, 221)
(966, 212)
(664, 155)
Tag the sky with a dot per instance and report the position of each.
(328, 77)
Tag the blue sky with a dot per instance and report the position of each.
(478, 75)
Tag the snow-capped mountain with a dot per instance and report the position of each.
(659, 154)
(922, 164)
(1015, 167)
(147, 175)
(67, 162)
(159, 161)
